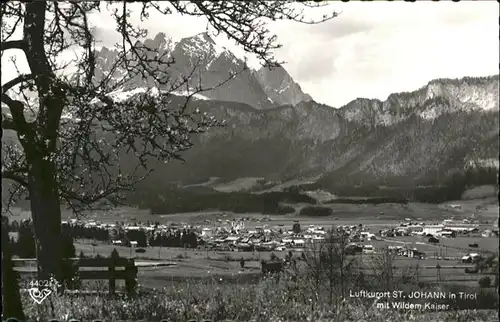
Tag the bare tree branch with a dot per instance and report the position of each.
(14, 177)
(13, 44)
(82, 124)
(15, 192)
(151, 126)
(14, 165)
(7, 122)
(18, 80)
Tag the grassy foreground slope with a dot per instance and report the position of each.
(270, 300)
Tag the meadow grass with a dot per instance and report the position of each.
(271, 299)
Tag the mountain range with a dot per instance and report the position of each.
(276, 133)
(210, 65)
(278, 136)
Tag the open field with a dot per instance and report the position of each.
(484, 243)
(241, 184)
(345, 213)
(480, 192)
(458, 244)
(200, 264)
(163, 253)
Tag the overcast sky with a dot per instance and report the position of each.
(377, 48)
(371, 49)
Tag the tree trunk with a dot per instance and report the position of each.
(12, 306)
(46, 214)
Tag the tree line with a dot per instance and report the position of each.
(452, 187)
(187, 200)
(24, 245)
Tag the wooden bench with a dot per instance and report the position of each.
(118, 268)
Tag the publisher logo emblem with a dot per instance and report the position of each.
(39, 295)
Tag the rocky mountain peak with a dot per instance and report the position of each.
(438, 97)
(213, 64)
(201, 44)
(280, 87)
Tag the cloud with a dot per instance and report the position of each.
(397, 47)
(105, 36)
(342, 27)
(458, 16)
(309, 50)
(313, 67)
(370, 50)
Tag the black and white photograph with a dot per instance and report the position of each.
(263, 161)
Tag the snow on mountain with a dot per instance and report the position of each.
(212, 63)
(280, 86)
(120, 95)
(204, 46)
(195, 96)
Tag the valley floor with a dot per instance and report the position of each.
(171, 269)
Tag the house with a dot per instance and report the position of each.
(367, 235)
(317, 239)
(207, 232)
(414, 229)
(432, 229)
(487, 233)
(418, 254)
(298, 243)
(449, 234)
(387, 233)
(231, 239)
(472, 257)
(368, 249)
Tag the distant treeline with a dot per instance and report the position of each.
(24, 245)
(451, 188)
(369, 200)
(192, 200)
(316, 211)
(175, 200)
(177, 238)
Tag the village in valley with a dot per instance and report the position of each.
(240, 245)
(232, 235)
